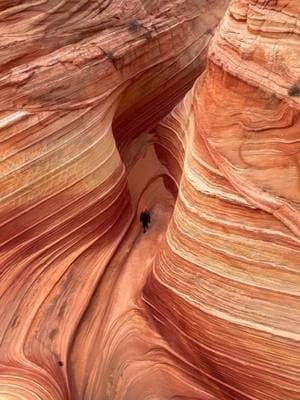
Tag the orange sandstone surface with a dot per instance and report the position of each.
(108, 106)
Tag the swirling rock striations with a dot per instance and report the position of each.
(70, 187)
(206, 304)
(224, 290)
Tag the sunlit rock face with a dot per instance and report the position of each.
(82, 84)
(224, 289)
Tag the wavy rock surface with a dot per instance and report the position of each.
(224, 290)
(68, 199)
(205, 305)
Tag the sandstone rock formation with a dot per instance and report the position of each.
(206, 304)
(224, 289)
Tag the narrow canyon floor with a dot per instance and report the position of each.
(116, 320)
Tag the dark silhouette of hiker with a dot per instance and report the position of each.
(145, 218)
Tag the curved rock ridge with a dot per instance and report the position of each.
(70, 187)
(224, 290)
(258, 42)
(205, 305)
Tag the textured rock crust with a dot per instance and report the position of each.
(205, 305)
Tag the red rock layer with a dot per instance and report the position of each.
(67, 198)
(224, 291)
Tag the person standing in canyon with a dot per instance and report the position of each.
(145, 218)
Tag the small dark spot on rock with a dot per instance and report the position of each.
(60, 363)
(110, 55)
(147, 35)
(294, 91)
(134, 25)
(53, 333)
(15, 322)
(62, 310)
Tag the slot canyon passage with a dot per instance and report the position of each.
(189, 107)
